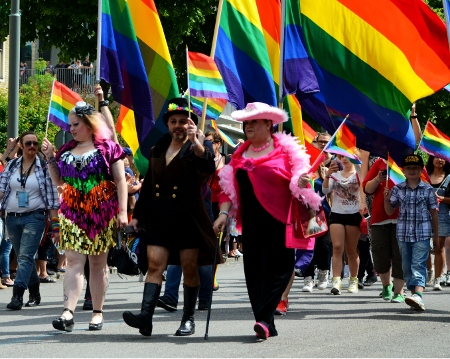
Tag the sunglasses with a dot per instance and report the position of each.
(29, 143)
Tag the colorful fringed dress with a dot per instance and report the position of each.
(89, 202)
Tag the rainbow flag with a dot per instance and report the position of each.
(308, 133)
(242, 55)
(62, 101)
(204, 77)
(434, 142)
(395, 173)
(123, 67)
(222, 134)
(369, 70)
(214, 107)
(343, 142)
(160, 76)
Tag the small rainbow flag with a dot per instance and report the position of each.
(308, 133)
(435, 143)
(214, 107)
(343, 142)
(62, 101)
(222, 134)
(204, 77)
(395, 173)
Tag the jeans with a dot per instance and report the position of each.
(5, 250)
(414, 262)
(173, 279)
(25, 234)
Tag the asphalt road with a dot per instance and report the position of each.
(318, 324)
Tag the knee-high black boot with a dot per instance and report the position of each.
(35, 295)
(187, 326)
(17, 298)
(143, 320)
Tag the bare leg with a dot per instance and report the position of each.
(439, 259)
(337, 232)
(189, 265)
(289, 286)
(352, 234)
(447, 252)
(157, 263)
(73, 281)
(98, 281)
(386, 278)
(398, 286)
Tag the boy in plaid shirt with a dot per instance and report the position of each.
(417, 222)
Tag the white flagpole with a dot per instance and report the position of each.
(99, 48)
(49, 106)
(187, 72)
(283, 18)
(447, 19)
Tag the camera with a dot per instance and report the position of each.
(384, 172)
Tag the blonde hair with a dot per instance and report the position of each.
(96, 123)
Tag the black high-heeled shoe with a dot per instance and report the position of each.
(63, 323)
(96, 326)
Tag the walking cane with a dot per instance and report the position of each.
(219, 239)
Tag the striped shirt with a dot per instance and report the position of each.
(414, 218)
(49, 193)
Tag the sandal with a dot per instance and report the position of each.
(47, 279)
(8, 282)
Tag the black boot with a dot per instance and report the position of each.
(35, 296)
(187, 326)
(17, 298)
(143, 320)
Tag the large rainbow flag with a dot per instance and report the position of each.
(62, 101)
(204, 77)
(434, 142)
(222, 134)
(366, 67)
(160, 76)
(242, 55)
(214, 107)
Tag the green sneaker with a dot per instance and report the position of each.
(398, 298)
(387, 292)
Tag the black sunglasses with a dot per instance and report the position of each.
(29, 143)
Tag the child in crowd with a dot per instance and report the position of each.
(417, 222)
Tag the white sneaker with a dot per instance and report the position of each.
(437, 284)
(447, 281)
(322, 279)
(442, 279)
(237, 253)
(309, 284)
(416, 302)
(430, 278)
(353, 285)
(337, 285)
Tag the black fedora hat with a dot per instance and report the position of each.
(179, 105)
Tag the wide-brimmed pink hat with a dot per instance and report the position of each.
(260, 111)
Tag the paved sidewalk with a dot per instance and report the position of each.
(318, 324)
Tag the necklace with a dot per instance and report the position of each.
(84, 144)
(259, 149)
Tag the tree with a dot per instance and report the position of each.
(72, 26)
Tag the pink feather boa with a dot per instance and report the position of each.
(298, 159)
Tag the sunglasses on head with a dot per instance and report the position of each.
(29, 143)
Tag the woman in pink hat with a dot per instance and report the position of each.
(257, 188)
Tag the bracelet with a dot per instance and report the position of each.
(413, 116)
(375, 179)
(329, 176)
(195, 143)
(51, 159)
(103, 103)
(54, 224)
(223, 212)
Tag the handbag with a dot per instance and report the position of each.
(303, 225)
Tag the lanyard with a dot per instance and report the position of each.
(24, 177)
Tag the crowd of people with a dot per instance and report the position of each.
(78, 198)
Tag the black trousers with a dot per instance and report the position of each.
(321, 257)
(365, 259)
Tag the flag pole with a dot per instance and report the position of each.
(332, 138)
(212, 54)
(99, 47)
(447, 19)
(387, 172)
(187, 73)
(421, 135)
(281, 69)
(49, 106)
